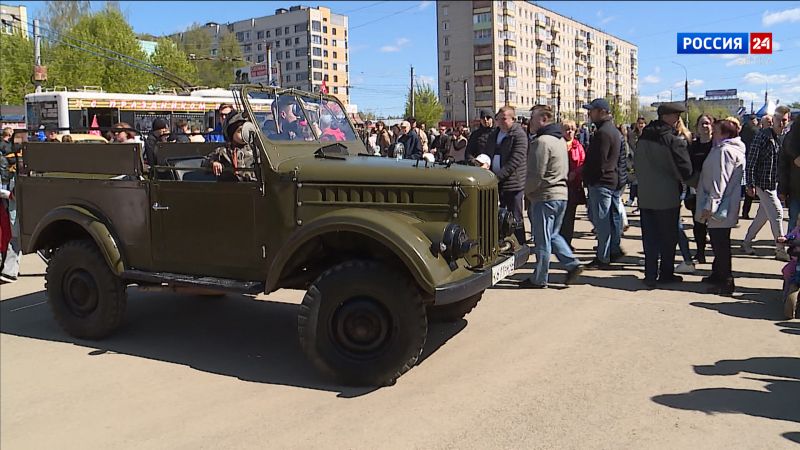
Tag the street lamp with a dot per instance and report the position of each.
(685, 89)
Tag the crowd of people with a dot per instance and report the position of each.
(547, 169)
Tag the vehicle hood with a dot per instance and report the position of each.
(377, 170)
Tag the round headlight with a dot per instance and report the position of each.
(455, 242)
(507, 222)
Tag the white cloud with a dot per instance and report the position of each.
(657, 69)
(773, 18)
(426, 79)
(748, 96)
(424, 4)
(396, 47)
(691, 83)
(762, 78)
(650, 79)
(662, 96)
(603, 18)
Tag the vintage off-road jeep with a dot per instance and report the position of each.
(381, 245)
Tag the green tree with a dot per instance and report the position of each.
(63, 15)
(633, 114)
(213, 70)
(427, 108)
(16, 54)
(616, 110)
(172, 59)
(367, 115)
(107, 29)
(794, 105)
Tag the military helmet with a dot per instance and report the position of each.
(232, 122)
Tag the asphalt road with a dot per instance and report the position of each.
(599, 365)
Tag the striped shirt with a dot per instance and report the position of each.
(762, 160)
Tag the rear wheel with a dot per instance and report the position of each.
(790, 302)
(363, 323)
(453, 312)
(87, 299)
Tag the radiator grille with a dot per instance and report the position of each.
(488, 233)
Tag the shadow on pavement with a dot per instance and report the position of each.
(793, 436)
(236, 336)
(790, 327)
(778, 401)
(750, 303)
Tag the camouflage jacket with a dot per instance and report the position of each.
(244, 160)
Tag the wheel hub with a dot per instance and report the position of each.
(361, 327)
(80, 292)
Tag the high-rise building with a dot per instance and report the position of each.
(13, 18)
(520, 54)
(309, 45)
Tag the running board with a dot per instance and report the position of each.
(212, 283)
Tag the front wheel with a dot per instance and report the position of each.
(88, 300)
(453, 312)
(363, 323)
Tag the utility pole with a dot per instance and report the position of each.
(269, 63)
(685, 89)
(466, 102)
(37, 55)
(411, 98)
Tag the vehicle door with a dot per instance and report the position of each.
(202, 226)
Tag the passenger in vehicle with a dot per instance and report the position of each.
(182, 133)
(196, 135)
(288, 114)
(66, 138)
(159, 133)
(236, 154)
(51, 133)
(331, 130)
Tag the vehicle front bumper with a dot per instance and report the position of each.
(478, 282)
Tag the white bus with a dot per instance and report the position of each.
(79, 109)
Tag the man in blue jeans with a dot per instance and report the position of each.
(601, 177)
(546, 188)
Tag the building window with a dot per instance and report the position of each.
(325, 53)
(260, 47)
(335, 66)
(333, 31)
(288, 42)
(316, 39)
(326, 78)
(325, 29)
(316, 51)
(248, 59)
(335, 78)
(335, 44)
(325, 66)
(317, 76)
(299, 77)
(259, 35)
(447, 40)
(277, 44)
(447, 55)
(315, 63)
(447, 70)
(299, 27)
(246, 35)
(286, 30)
(288, 78)
(300, 52)
(335, 55)
(445, 25)
(336, 89)
(267, 33)
(260, 58)
(278, 56)
(240, 36)
(297, 65)
(248, 48)
(288, 66)
(446, 85)
(278, 31)
(325, 41)
(445, 11)
(297, 41)
(316, 26)
(288, 54)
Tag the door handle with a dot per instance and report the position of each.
(157, 207)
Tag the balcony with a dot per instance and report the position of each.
(542, 35)
(590, 62)
(481, 5)
(484, 88)
(509, 11)
(510, 43)
(556, 62)
(580, 81)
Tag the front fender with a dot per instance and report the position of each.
(400, 233)
(90, 223)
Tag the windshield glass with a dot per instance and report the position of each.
(285, 116)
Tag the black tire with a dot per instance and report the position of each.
(453, 312)
(87, 299)
(363, 323)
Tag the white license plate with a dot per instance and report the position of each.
(502, 270)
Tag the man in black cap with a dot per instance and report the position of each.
(601, 176)
(159, 132)
(51, 133)
(476, 144)
(662, 164)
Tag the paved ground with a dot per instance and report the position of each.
(600, 365)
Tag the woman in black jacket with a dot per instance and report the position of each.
(698, 151)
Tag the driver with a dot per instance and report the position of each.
(289, 116)
(236, 154)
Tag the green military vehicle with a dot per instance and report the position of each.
(382, 246)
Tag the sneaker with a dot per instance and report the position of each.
(572, 275)
(747, 249)
(528, 284)
(7, 278)
(617, 256)
(725, 287)
(684, 267)
(597, 264)
(670, 279)
(782, 255)
(700, 258)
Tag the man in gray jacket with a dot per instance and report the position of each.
(662, 163)
(546, 189)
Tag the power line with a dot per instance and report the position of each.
(384, 17)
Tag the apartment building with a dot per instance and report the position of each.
(308, 45)
(520, 54)
(13, 18)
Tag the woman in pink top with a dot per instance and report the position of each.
(577, 196)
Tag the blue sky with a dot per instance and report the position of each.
(386, 38)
